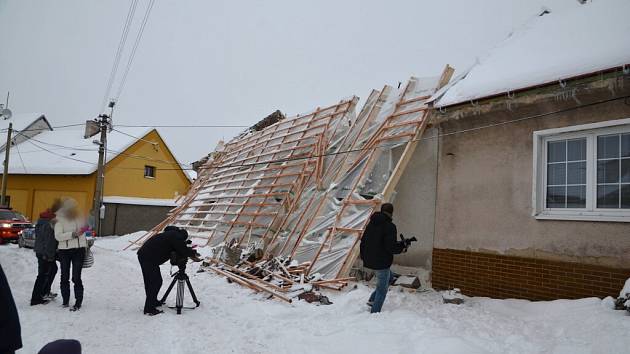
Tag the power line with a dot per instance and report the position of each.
(135, 47)
(4, 130)
(17, 147)
(94, 164)
(135, 137)
(121, 45)
(65, 147)
(140, 157)
(60, 155)
(373, 147)
(540, 115)
(182, 126)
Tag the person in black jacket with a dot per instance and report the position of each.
(10, 330)
(156, 251)
(46, 252)
(378, 247)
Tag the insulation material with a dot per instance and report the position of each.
(303, 188)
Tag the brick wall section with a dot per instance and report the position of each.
(499, 276)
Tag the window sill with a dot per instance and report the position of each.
(594, 216)
(148, 177)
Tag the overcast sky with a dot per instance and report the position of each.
(234, 62)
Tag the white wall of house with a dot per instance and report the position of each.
(486, 180)
(414, 202)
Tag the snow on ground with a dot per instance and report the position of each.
(232, 319)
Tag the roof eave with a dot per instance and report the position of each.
(532, 87)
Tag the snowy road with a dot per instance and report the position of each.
(233, 320)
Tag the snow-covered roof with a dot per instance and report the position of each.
(192, 175)
(140, 201)
(20, 122)
(65, 152)
(559, 45)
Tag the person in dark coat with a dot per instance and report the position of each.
(378, 247)
(46, 252)
(154, 252)
(10, 330)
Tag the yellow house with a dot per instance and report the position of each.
(60, 163)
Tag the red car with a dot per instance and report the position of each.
(12, 224)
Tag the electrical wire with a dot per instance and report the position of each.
(140, 157)
(17, 147)
(535, 116)
(136, 43)
(4, 130)
(119, 50)
(181, 126)
(94, 164)
(65, 147)
(60, 155)
(135, 137)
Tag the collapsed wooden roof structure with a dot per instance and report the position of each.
(304, 187)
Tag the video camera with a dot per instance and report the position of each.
(406, 242)
(180, 262)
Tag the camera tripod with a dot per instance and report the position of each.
(180, 278)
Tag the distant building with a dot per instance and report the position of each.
(141, 174)
(25, 126)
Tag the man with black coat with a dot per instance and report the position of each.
(10, 330)
(46, 252)
(156, 251)
(378, 247)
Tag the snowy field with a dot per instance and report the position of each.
(232, 319)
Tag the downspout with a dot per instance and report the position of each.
(115, 232)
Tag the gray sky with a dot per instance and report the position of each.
(233, 62)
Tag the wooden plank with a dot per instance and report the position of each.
(250, 284)
(390, 186)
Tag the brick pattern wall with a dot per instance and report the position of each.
(499, 276)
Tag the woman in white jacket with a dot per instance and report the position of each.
(71, 249)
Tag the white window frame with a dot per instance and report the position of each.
(539, 183)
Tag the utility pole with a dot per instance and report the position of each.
(103, 122)
(5, 174)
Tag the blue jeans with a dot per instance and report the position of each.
(383, 278)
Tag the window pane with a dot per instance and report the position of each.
(625, 145)
(556, 174)
(608, 196)
(625, 196)
(576, 149)
(557, 151)
(556, 197)
(576, 197)
(576, 173)
(625, 171)
(608, 171)
(607, 146)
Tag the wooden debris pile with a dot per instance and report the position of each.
(279, 277)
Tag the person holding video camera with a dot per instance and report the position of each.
(154, 252)
(378, 247)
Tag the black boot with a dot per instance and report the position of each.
(153, 312)
(38, 302)
(76, 307)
